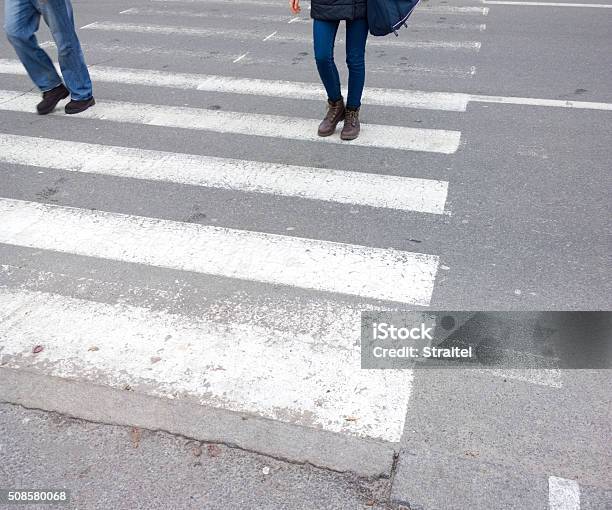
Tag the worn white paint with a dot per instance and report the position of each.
(449, 101)
(331, 320)
(376, 273)
(532, 101)
(139, 49)
(261, 87)
(550, 377)
(563, 494)
(386, 191)
(306, 5)
(251, 124)
(548, 4)
(238, 366)
(452, 9)
(246, 35)
(147, 11)
(137, 11)
(240, 57)
(133, 49)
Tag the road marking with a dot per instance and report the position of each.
(448, 9)
(206, 14)
(200, 55)
(375, 273)
(366, 189)
(550, 377)
(249, 124)
(243, 35)
(563, 494)
(287, 19)
(270, 36)
(261, 60)
(335, 322)
(240, 57)
(274, 3)
(547, 4)
(236, 366)
(532, 101)
(261, 87)
(450, 101)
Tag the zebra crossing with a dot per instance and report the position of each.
(307, 378)
(273, 126)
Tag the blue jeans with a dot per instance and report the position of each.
(22, 19)
(324, 34)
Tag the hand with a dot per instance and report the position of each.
(294, 5)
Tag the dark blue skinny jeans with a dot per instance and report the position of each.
(324, 35)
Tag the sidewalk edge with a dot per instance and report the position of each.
(294, 443)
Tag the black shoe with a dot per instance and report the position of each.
(51, 98)
(79, 106)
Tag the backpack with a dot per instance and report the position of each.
(386, 16)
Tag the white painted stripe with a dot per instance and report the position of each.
(136, 11)
(450, 101)
(260, 59)
(241, 367)
(251, 86)
(135, 49)
(550, 377)
(451, 9)
(423, 45)
(240, 57)
(532, 101)
(284, 19)
(246, 35)
(375, 273)
(563, 494)
(416, 27)
(404, 193)
(548, 4)
(250, 124)
(408, 69)
(306, 5)
(334, 322)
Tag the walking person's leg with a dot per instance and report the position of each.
(58, 15)
(324, 36)
(22, 19)
(356, 38)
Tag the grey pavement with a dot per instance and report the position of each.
(119, 467)
(527, 229)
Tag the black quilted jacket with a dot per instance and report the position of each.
(332, 10)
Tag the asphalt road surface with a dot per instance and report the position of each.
(188, 257)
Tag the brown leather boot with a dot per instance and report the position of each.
(51, 98)
(351, 128)
(335, 113)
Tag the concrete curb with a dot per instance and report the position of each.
(294, 443)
